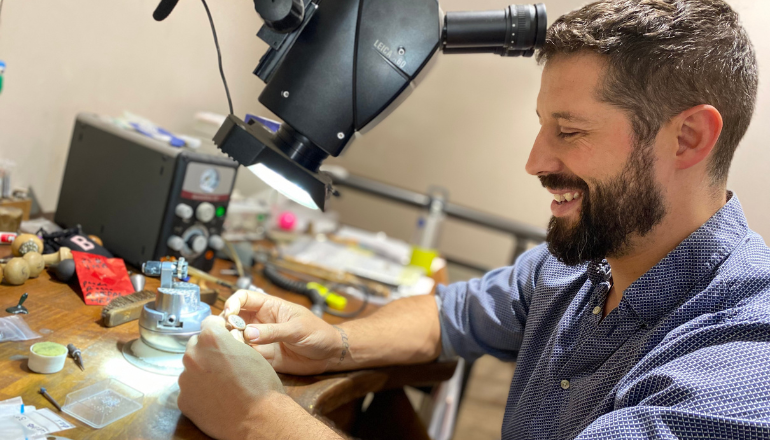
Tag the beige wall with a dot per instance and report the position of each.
(468, 127)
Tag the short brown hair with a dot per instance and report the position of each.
(665, 56)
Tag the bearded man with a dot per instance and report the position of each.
(646, 315)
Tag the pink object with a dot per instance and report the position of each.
(287, 220)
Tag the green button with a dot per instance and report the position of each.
(220, 211)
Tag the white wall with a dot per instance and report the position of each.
(468, 127)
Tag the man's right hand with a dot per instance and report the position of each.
(290, 337)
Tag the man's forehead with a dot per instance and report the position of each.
(568, 89)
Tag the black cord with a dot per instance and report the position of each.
(219, 57)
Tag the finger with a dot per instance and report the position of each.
(214, 324)
(237, 334)
(237, 301)
(191, 342)
(267, 351)
(268, 333)
(213, 329)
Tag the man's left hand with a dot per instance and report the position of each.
(226, 385)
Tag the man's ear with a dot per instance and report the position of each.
(699, 129)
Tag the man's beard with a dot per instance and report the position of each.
(610, 214)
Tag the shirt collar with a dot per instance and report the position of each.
(665, 286)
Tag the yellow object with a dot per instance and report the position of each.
(334, 300)
(49, 349)
(35, 262)
(47, 357)
(423, 258)
(16, 271)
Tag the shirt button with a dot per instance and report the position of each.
(564, 384)
(597, 310)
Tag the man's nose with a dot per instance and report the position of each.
(542, 159)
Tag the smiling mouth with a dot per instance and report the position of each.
(567, 197)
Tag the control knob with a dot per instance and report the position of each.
(197, 243)
(216, 242)
(205, 212)
(175, 243)
(183, 211)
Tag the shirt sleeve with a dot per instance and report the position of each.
(711, 380)
(487, 315)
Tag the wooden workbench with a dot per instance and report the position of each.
(58, 313)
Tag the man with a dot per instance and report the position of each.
(648, 313)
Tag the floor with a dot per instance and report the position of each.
(481, 412)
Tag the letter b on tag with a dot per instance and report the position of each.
(83, 242)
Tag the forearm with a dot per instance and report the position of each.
(405, 331)
(280, 417)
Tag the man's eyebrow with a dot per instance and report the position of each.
(569, 117)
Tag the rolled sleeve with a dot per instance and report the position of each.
(487, 315)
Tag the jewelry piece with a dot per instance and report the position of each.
(236, 322)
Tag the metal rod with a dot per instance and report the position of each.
(491, 221)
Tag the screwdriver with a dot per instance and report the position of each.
(50, 399)
(75, 353)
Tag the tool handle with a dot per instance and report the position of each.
(23, 298)
(74, 351)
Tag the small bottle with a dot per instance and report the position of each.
(2, 70)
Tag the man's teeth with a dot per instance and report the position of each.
(566, 197)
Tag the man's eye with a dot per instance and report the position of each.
(567, 134)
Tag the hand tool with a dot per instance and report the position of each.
(16, 271)
(26, 243)
(36, 263)
(65, 270)
(127, 308)
(50, 399)
(64, 253)
(76, 355)
(19, 308)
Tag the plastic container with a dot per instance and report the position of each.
(47, 357)
(102, 403)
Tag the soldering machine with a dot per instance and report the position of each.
(335, 68)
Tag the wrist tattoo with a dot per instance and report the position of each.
(345, 344)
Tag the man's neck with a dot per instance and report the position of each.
(684, 218)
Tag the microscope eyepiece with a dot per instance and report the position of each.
(514, 31)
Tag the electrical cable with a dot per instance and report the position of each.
(319, 302)
(219, 56)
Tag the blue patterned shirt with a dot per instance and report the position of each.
(686, 354)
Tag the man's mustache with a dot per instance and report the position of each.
(562, 181)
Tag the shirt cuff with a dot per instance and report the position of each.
(447, 351)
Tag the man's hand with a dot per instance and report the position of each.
(230, 392)
(290, 337)
(225, 385)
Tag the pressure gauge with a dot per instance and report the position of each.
(209, 180)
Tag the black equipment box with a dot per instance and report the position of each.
(142, 197)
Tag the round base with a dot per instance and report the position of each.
(141, 355)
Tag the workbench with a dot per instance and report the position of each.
(58, 313)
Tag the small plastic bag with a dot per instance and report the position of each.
(13, 328)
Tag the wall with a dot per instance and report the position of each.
(468, 127)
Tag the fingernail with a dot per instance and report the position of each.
(227, 311)
(251, 333)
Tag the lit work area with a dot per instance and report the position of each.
(384, 219)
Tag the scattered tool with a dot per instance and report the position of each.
(126, 308)
(19, 308)
(65, 270)
(36, 263)
(76, 355)
(16, 271)
(137, 280)
(64, 253)
(26, 243)
(50, 399)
